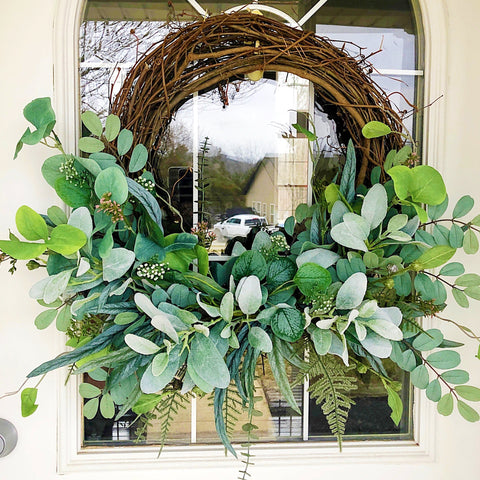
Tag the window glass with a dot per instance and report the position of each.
(257, 164)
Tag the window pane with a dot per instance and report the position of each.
(257, 163)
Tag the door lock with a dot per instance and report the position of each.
(8, 437)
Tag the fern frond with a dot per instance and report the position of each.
(166, 410)
(330, 386)
(232, 409)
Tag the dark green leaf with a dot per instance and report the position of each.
(289, 225)
(250, 263)
(312, 278)
(73, 195)
(455, 237)
(147, 200)
(288, 324)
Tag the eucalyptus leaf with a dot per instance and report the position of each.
(467, 412)
(138, 159)
(470, 242)
(112, 180)
(419, 377)
(445, 405)
(90, 145)
(463, 206)
(112, 127)
(124, 141)
(92, 122)
(434, 390)
(444, 359)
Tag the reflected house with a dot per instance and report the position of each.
(280, 182)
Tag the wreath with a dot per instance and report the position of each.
(148, 315)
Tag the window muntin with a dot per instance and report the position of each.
(396, 68)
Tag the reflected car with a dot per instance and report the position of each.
(238, 226)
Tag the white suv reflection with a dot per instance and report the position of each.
(238, 226)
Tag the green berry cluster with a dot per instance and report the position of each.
(146, 183)
(72, 175)
(323, 304)
(152, 270)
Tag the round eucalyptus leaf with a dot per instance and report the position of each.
(463, 206)
(444, 359)
(456, 377)
(434, 390)
(87, 390)
(445, 405)
(90, 408)
(419, 377)
(112, 180)
(124, 141)
(112, 127)
(44, 319)
(428, 340)
(468, 392)
(92, 122)
(138, 159)
(107, 407)
(467, 412)
(90, 145)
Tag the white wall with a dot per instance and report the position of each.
(26, 39)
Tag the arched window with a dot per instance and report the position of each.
(239, 138)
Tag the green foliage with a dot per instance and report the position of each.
(331, 386)
(345, 286)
